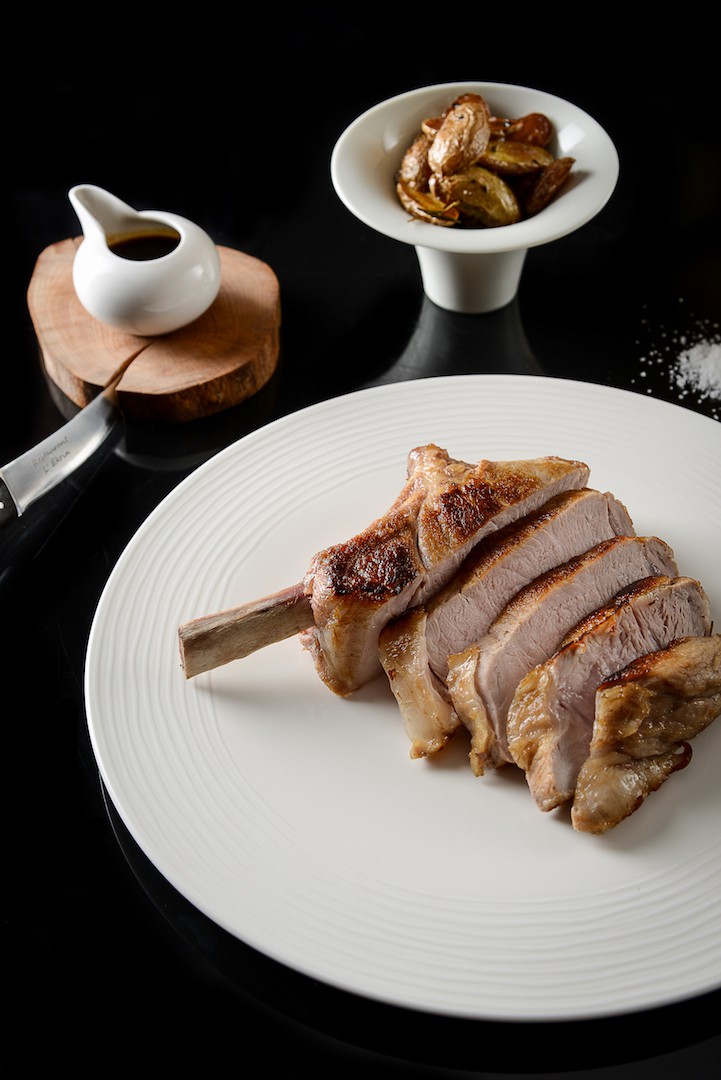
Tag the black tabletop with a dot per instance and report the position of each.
(110, 970)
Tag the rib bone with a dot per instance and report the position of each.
(213, 640)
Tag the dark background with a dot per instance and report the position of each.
(231, 122)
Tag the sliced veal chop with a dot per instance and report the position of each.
(483, 678)
(414, 647)
(550, 720)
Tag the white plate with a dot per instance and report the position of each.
(297, 820)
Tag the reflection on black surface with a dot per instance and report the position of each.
(23, 539)
(181, 447)
(444, 343)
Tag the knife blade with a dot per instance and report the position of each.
(34, 473)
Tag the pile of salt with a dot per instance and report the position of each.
(692, 363)
(698, 370)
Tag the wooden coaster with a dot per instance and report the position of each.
(219, 360)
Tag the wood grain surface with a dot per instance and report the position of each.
(219, 360)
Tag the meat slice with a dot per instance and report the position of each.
(500, 566)
(414, 648)
(425, 706)
(550, 720)
(483, 678)
(645, 716)
(446, 507)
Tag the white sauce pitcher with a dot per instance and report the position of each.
(142, 271)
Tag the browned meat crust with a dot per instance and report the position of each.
(446, 507)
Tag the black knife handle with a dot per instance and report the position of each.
(8, 509)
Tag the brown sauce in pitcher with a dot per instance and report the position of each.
(142, 247)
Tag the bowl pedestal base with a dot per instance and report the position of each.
(470, 284)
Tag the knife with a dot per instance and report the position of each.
(34, 473)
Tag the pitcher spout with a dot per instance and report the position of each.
(100, 213)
